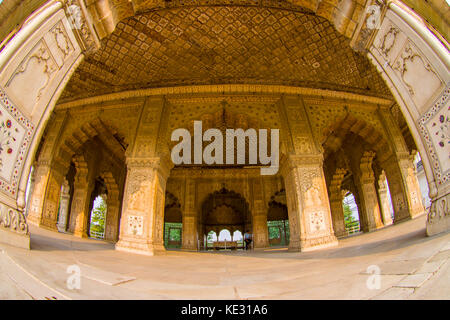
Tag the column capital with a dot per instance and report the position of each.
(82, 24)
(162, 164)
(293, 161)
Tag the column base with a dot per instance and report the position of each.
(61, 228)
(371, 228)
(15, 239)
(388, 223)
(439, 216)
(435, 228)
(401, 219)
(418, 214)
(140, 247)
(80, 234)
(48, 226)
(312, 244)
(340, 234)
(31, 220)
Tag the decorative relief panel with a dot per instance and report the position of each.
(15, 134)
(13, 220)
(418, 76)
(434, 128)
(135, 225)
(317, 221)
(33, 74)
(60, 40)
(389, 41)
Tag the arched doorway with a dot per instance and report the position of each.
(278, 220)
(351, 214)
(224, 213)
(97, 210)
(173, 225)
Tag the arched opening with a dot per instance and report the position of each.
(224, 235)
(225, 211)
(173, 226)
(351, 214)
(278, 220)
(211, 237)
(238, 237)
(97, 210)
(97, 221)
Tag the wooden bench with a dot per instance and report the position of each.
(217, 245)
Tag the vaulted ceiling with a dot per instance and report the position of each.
(224, 44)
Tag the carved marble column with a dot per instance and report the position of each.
(413, 193)
(308, 206)
(369, 201)
(142, 222)
(45, 195)
(112, 219)
(79, 211)
(260, 231)
(401, 175)
(63, 207)
(384, 200)
(189, 218)
(112, 208)
(337, 210)
(259, 215)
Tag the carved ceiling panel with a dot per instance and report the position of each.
(217, 45)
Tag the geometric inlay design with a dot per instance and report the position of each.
(224, 44)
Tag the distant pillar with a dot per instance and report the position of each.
(384, 200)
(63, 207)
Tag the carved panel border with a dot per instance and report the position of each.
(441, 105)
(18, 156)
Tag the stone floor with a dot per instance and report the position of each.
(411, 266)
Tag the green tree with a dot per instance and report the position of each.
(349, 220)
(274, 232)
(98, 217)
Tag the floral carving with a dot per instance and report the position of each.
(6, 137)
(408, 54)
(389, 40)
(135, 225)
(61, 40)
(317, 221)
(13, 220)
(43, 56)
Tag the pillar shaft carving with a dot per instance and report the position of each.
(142, 222)
(189, 217)
(337, 210)
(370, 207)
(112, 208)
(259, 214)
(63, 207)
(46, 194)
(384, 200)
(401, 173)
(79, 211)
(309, 211)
